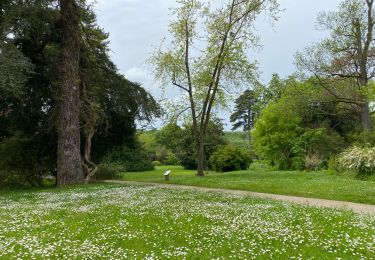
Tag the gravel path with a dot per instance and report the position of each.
(355, 207)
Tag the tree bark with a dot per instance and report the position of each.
(1, 20)
(89, 167)
(69, 167)
(200, 157)
(365, 117)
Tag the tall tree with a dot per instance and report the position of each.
(270, 93)
(245, 112)
(223, 65)
(14, 66)
(29, 56)
(69, 167)
(344, 63)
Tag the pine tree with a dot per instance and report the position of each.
(244, 113)
(69, 167)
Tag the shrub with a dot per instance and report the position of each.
(156, 163)
(108, 171)
(360, 160)
(22, 162)
(133, 160)
(364, 138)
(171, 159)
(313, 162)
(161, 153)
(333, 164)
(229, 158)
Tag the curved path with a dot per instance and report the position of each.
(355, 207)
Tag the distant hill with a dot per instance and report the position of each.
(237, 139)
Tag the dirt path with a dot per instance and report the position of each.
(355, 207)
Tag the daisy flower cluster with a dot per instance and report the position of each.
(145, 222)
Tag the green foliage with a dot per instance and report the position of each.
(214, 138)
(295, 132)
(226, 34)
(123, 102)
(333, 164)
(15, 69)
(362, 139)
(238, 139)
(274, 134)
(229, 158)
(131, 159)
(335, 59)
(171, 159)
(360, 160)
(148, 143)
(170, 136)
(156, 145)
(108, 171)
(161, 153)
(20, 163)
(147, 139)
(28, 77)
(313, 162)
(270, 93)
(305, 149)
(156, 163)
(245, 111)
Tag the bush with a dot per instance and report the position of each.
(131, 160)
(214, 139)
(156, 163)
(313, 162)
(171, 159)
(161, 153)
(22, 162)
(229, 158)
(333, 164)
(360, 160)
(108, 171)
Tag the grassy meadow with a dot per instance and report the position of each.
(343, 187)
(145, 222)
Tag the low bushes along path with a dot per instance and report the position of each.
(355, 207)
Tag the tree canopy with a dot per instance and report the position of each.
(205, 76)
(110, 104)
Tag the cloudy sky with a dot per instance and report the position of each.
(137, 26)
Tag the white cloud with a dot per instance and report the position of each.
(144, 78)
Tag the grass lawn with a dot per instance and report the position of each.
(145, 222)
(305, 184)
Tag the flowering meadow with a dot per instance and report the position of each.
(145, 222)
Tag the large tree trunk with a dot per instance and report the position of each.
(69, 167)
(364, 106)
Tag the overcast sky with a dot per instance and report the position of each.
(137, 26)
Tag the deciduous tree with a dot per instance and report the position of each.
(221, 63)
(344, 62)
